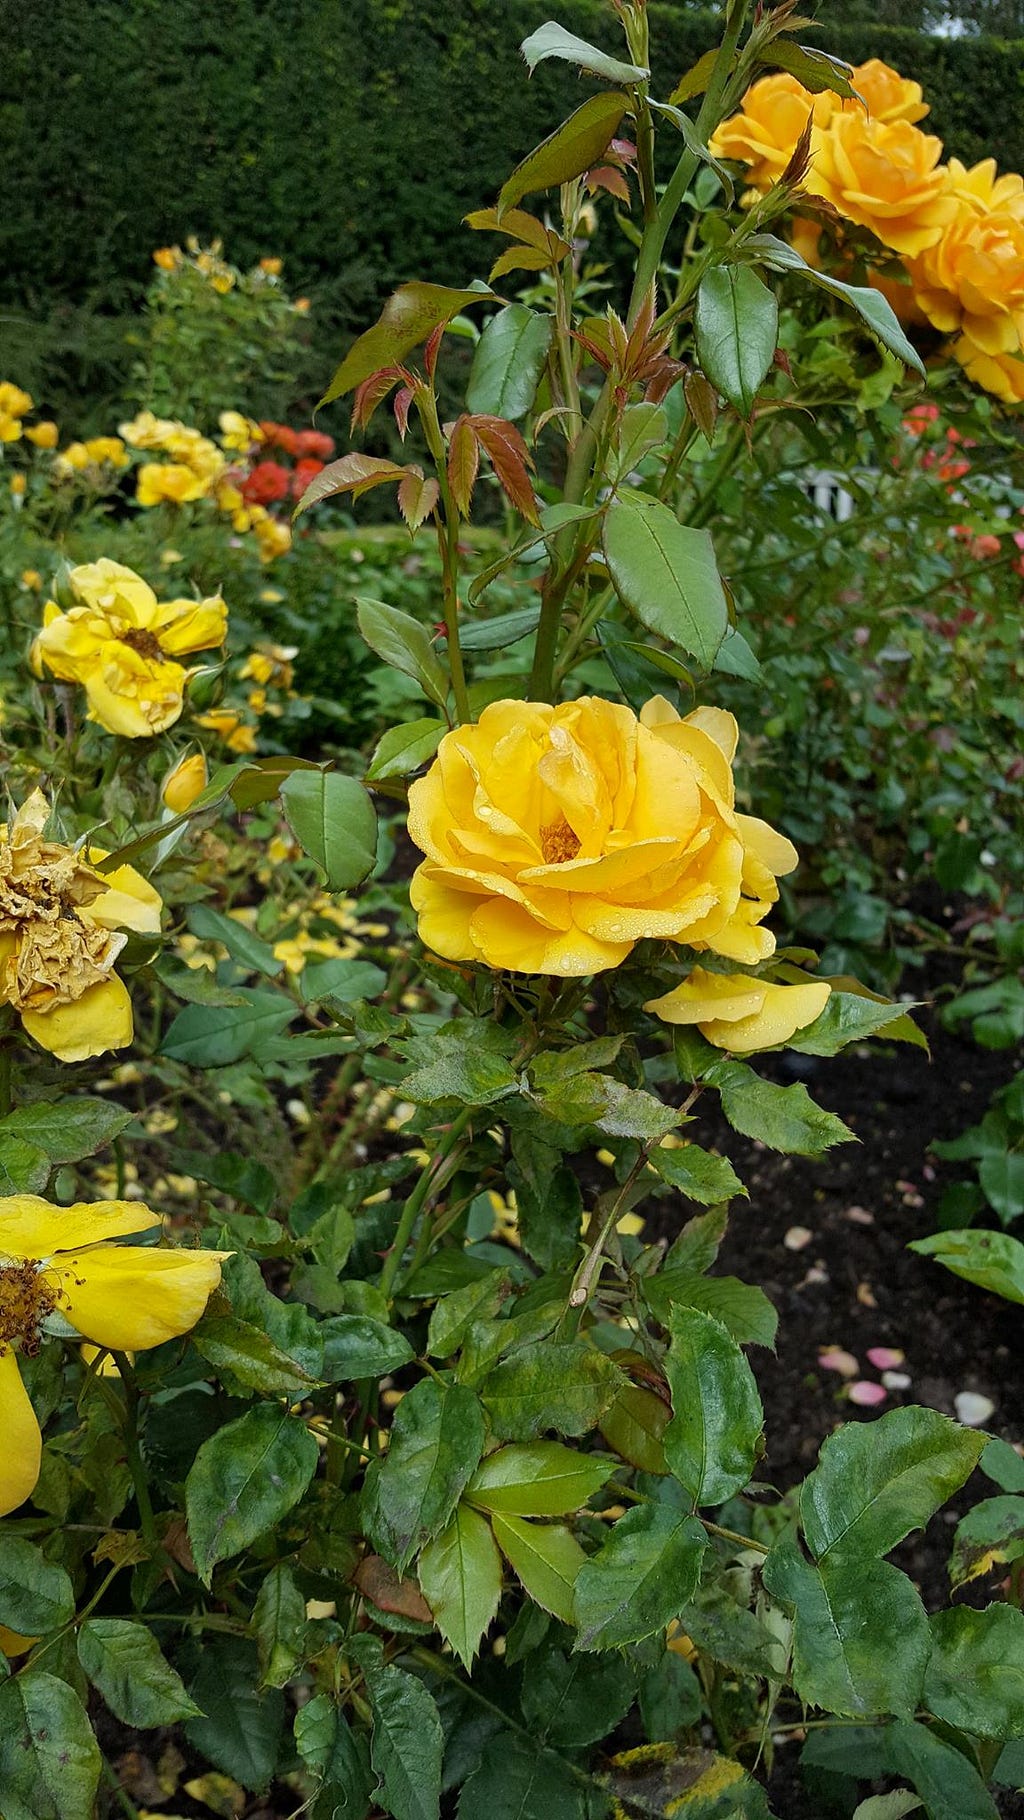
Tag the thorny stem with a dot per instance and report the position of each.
(586, 1276)
(136, 1464)
(448, 544)
(438, 1171)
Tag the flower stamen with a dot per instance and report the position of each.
(26, 1300)
(559, 842)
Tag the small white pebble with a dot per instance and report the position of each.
(797, 1237)
(896, 1380)
(972, 1408)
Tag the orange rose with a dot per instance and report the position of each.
(884, 177)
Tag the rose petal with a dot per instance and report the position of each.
(972, 1408)
(835, 1359)
(866, 1394)
(886, 1358)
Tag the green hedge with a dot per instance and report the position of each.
(348, 135)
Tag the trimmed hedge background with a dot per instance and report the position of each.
(350, 136)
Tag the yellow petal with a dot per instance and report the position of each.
(12, 1644)
(191, 625)
(508, 937)
(704, 996)
(22, 1450)
(786, 1010)
(100, 1020)
(33, 1228)
(130, 901)
(130, 1298)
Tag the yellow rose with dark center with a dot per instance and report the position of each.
(123, 645)
(558, 837)
(61, 926)
(60, 1275)
(886, 177)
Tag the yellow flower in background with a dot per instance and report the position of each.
(13, 404)
(168, 483)
(558, 837)
(122, 645)
(271, 266)
(887, 95)
(229, 726)
(60, 923)
(739, 1013)
(168, 258)
(187, 781)
(60, 1274)
(886, 177)
(238, 432)
(273, 538)
(1000, 374)
(45, 434)
(982, 189)
(772, 116)
(108, 449)
(145, 431)
(31, 578)
(271, 664)
(18, 485)
(973, 280)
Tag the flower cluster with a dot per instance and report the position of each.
(123, 645)
(958, 232)
(61, 931)
(559, 837)
(206, 264)
(269, 480)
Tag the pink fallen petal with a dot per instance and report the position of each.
(859, 1216)
(886, 1358)
(866, 1394)
(835, 1359)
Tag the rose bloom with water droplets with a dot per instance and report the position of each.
(61, 1278)
(558, 837)
(122, 645)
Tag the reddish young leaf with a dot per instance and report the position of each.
(417, 497)
(606, 177)
(433, 349)
(403, 400)
(510, 459)
(408, 317)
(353, 474)
(373, 392)
(463, 463)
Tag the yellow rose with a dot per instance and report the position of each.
(884, 177)
(739, 1013)
(982, 190)
(109, 449)
(168, 482)
(13, 401)
(557, 838)
(45, 435)
(887, 95)
(58, 1268)
(230, 727)
(168, 258)
(58, 916)
(274, 539)
(146, 431)
(973, 280)
(18, 485)
(1001, 374)
(238, 432)
(772, 116)
(187, 781)
(272, 267)
(11, 429)
(122, 645)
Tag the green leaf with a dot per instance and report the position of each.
(539, 1479)
(643, 427)
(516, 1782)
(124, 1662)
(850, 1017)
(634, 1425)
(639, 1581)
(570, 150)
(735, 657)
(462, 1071)
(947, 1783)
(813, 68)
(860, 1633)
(992, 1260)
(213, 1036)
(572, 1701)
(36, 1595)
(327, 1745)
(24, 1168)
(49, 1759)
(66, 1129)
(666, 574)
(243, 1480)
(403, 749)
(609, 1106)
(975, 1676)
(712, 1440)
(553, 40)
(1002, 1178)
(696, 1247)
(550, 1385)
(333, 820)
(409, 316)
(211, 926)
(669, 1696)
(699, 1174)
(696, 1781)
(243, 1177)
(279, 1625)
(403, 644)
(460, 1577)
(873, 309)
(437, 1438)
(696, 79)
(454, 1314)
(289, 1325)
(736, 324)
(743, 1309)
(1003, 1465)
(546, 1557)
(356, 1346)
(499, 633)
(888, 1807)
(876, 1481)
(241, 1730)
(784, 1118)
(508, 362)
(728, 1632)
(408, 1743)
(343, 980)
